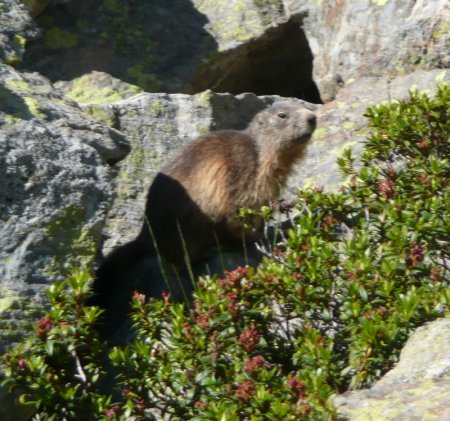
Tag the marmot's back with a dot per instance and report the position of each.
(218, 172)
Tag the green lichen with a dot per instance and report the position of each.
(14, 56)
(84, 92)
(319, 133)
(58, 39)
(73, 243)
(19, 86)
(236, 21)
(441, 76)
(442, 30)
(348, 125)
(204, 98)
(136, 166)
(203, 129)
(11, 119)
(21, 105)
(33, 107)
(19, 40)
(350, 81)
(397, 404)
(99, 114)
(6, 303)
(89, 95)
(156, 107)
(138, 160)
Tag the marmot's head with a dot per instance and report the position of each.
(283, 126)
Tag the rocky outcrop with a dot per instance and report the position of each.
(70, 187)
(418, 388)
(55, 190)
(287, 48)
(378, 38)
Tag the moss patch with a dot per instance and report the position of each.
(442, 30)
(33, 107)
(84, 91)
(18, 86)
(99, 114)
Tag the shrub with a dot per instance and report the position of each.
(58, 367)
(329, 309)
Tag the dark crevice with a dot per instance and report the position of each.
(165, 48)
(280, 62)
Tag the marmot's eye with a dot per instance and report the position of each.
(282, 115)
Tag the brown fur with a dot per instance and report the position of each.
(195, 199)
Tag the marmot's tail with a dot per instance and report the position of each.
(112, 273)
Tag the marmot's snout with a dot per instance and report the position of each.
(312, 121)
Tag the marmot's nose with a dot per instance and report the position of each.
(312, 121)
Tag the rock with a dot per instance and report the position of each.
(55, 190)
(341, 123)
(97, 88)
(16, 27)
(155, 47)
(417, 388)
(234, 47)
(306, 49)
(354, 39)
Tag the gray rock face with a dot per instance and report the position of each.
(55, 189)
(418, 388)
(354, 39)
(342, 125)
(265, 47)
(16, 26)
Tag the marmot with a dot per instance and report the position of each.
(194, 200)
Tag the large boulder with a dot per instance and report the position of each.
(418, 388)
(378, 38)
(55, 190)
(307, 49)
